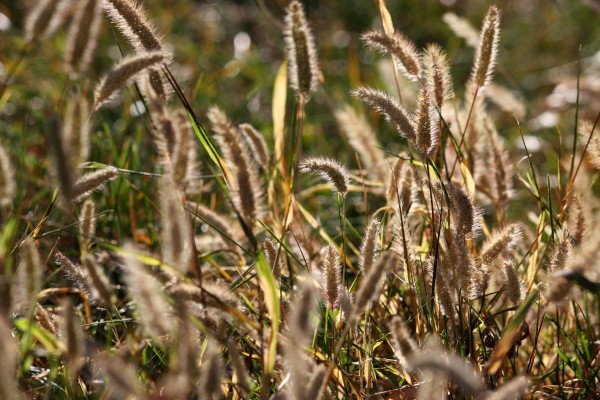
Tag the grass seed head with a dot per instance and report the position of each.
(330, 170)
(398, 46)
(124, 72)
(8, 186)
(332, 273)
(487, 50)
(82, 36)
(303, 68)
(132, 20)
(93, 181)
(437, 75)
(385, 105)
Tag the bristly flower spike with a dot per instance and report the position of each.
(330, 170)
(303, 68)
(399, 46)
(487, 51)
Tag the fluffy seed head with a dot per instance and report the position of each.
(400, 47)
(44, 18)
(589, 133)
(362, 139)
(8, 187)
(303, 68)
(437, 74)
(82, 36)
(133, 22)
(487, 51)
(462, 28)
(87, 223)
(465, 216)
(370, 246)
(513, 389)
(257, 144)
(515, 290)
(385, 105)
(28, 277)
(76, 131)
(9, 351)
(427, 123)
(247, 191)
(152, 307)
(449, 365)
(98, 282)
(401, 186)
(370, 287)
(72, 335)
(125, 71)
(302, 320)
(92, 181)
(502, 241)
(243, 379)
(330, 170)
(331, 270)
(404, 345)
(175, 233)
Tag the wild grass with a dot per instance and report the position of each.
(164, 248)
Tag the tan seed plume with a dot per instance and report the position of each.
(133, 22)
(76, 131)
(175, 232)
(385, 105)
(332, 273)
(437, 74)
(427, 123)
(399, 46)
(125, 71)
(87, 224)
(462, 28)
(8, 187)
(44, 18)
(363, 139)
(503, 240)
(28, 277)
(98, 283)
(246, 191)
(146, 292)
(369, 250)
(303, 68)
(92, 181)
(404, 345)
(369, 288)
(330, 170)
(257, 144)
(73, 337)
(82, 36)
(487, 51)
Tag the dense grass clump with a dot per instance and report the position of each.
(154, 244)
